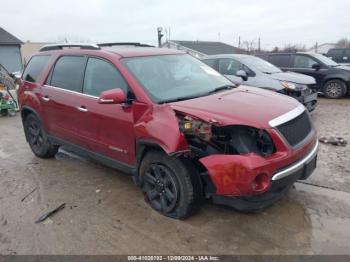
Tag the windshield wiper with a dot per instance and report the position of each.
(225, 87)
(177, 99)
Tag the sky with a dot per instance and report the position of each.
(276, 22)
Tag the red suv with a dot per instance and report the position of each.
(179, 128)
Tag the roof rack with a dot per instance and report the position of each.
(125, 44)
(61, 46)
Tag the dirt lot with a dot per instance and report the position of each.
(106, 214)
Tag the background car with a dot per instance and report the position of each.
(259, 73)
(339, 55)
(332, 79)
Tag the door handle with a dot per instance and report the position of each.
(82, 109)
(45, 98)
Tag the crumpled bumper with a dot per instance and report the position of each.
(236, 175)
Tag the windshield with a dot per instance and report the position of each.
(174, 77)
(325, 60)
(261, 65)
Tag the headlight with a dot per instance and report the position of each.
(195, 127)
(288, 85)
(243, 140)
(293, 86)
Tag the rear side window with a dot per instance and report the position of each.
(68, 73)
(100, 76)
(34, 68)
(279, 60)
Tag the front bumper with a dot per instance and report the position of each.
(235, 175)
(309, 101)
(307, 97)
(280, 185)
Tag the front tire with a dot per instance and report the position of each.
(37, 138)
(334, 89)
(168, 185)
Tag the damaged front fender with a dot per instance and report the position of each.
(159, 125)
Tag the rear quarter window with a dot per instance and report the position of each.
(280, 60)
(35, 67)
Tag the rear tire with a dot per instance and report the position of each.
(37, 138)
(334, 89)
(168, 185)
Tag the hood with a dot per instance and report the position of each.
(343, 67)
(241, 106)
(294, 77)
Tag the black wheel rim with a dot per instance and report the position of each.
(35, 136)
(160, 188)
(334, 89)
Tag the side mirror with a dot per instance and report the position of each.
(113, 96)
(242, 74)
(316, 66)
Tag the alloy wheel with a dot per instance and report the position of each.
(35, 136)
(160, 188)
(334, 89)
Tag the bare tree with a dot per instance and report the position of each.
(293, 48)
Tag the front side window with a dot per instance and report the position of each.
(34, 68)
(228, 66)
(174, 77)
(100, 76)
(68, 73)
(301, 61)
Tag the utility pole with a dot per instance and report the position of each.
(160, 35)
(239, 41)
(316, 47)
(259, 44)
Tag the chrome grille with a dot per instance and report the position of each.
(297, 129)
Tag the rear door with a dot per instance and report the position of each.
(62, 95)
(108, 128)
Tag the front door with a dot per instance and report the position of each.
(303, 64)
(108, 128)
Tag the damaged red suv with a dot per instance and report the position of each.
(179, 128)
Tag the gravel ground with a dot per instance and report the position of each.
(105, 212)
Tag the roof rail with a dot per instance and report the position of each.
(125, 44)
(61, 46)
